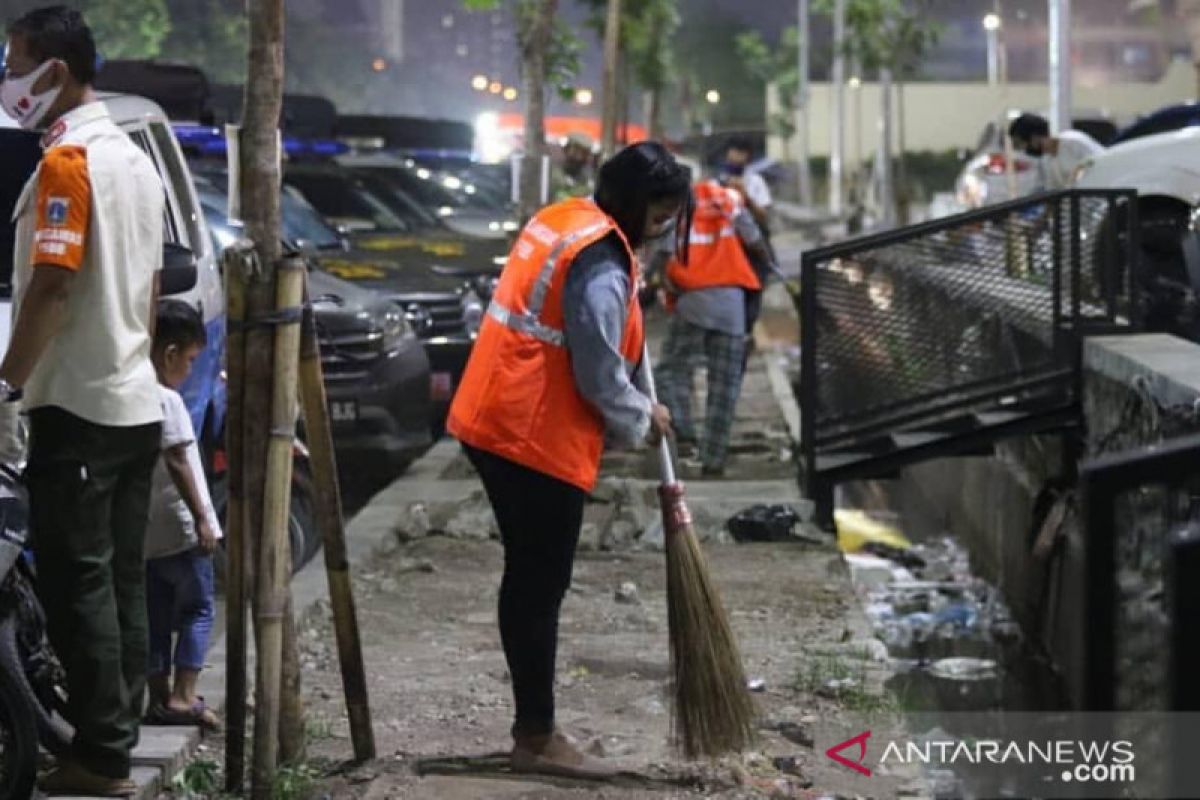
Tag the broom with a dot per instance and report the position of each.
(712, 712)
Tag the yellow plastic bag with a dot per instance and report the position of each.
(855, 530)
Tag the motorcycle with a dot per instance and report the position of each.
(32, 693)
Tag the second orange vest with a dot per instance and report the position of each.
(715, 253)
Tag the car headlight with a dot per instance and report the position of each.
(472, 313)
(396, 329)
(1194, 220)
(419, 319)
(484, 286)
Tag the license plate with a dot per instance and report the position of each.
(441, 385)
(343, 411)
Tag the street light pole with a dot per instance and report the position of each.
(802, 103)
(1060, 65)
(837, 145)
(991, 25)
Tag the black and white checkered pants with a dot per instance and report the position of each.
(724, 357)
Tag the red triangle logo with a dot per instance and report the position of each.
(835, 753)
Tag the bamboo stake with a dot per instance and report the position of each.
(235, 531)
(328, 501)
(293, 742)
(274, 567)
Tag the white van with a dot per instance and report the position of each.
(184, 228)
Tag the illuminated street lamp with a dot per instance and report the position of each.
(992, 24)
(379, 65)
(510, 94)
(713, 96)
(855, 82)
(496, 87)
(584, 97)
(479, 83)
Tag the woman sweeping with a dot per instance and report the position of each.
(550, 380)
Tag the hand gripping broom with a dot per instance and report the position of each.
(712, 712)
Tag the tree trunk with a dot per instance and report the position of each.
(903, 190)
(654, 126)
(887, 183)
(612, 55)
(535, 44)
(260, 211)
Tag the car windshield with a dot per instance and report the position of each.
(19, 155)
(302, 226)
(344, 200)
(403, 205)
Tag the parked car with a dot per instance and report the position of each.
(984, 178)
(383, 225)
(449, 201)
(442, 310)
(377, 375)
(187, 240)
(1164, 120)
(1165, 170)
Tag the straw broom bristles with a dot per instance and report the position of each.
(712, 711)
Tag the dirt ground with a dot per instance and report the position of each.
(439, 686)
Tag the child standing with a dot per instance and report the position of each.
(181, 536)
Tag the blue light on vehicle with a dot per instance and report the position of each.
(209, 141)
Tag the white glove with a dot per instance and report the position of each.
(12, 434)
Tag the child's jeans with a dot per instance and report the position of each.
(179, 599)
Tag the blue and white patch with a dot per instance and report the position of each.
(56, 210)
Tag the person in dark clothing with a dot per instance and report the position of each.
(553, 377)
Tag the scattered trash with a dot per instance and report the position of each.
(756, 685)
(855, 529)
(627, 594)
(905, 558)
(653, 537)
(834, 688)
(789, 765)
(762, 523)
(794, 733)
(965, 669)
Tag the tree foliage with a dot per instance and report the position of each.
(210, 34)
(562, 57)
(779, 65)
(648, 29)
(889, 34)
(128, 28)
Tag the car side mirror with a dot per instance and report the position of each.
(179, 273)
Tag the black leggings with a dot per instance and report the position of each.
(539, 518)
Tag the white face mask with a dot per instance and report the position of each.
(19, 102)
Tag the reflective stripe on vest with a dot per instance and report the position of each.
(537, 297)
(695, 237)
(527, 324)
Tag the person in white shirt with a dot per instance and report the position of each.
(88, 249)
(181, 537)
(1060, 155)
(750, 185)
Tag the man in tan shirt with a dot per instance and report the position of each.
(88, 247)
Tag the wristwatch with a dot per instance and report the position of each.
(9, 393)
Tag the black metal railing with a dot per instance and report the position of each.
(1140, 515)
(904, 333)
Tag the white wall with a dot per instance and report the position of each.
(945, 116)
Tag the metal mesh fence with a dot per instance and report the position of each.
(958, 312)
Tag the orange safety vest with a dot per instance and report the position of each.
(517, 398)
(715, 254)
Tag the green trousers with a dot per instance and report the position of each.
(89, 494)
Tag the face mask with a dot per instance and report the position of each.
(1034, 152)
(734, 169)
(21, 104)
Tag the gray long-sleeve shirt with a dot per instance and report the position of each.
(595, 306)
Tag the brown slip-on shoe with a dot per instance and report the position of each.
(553, 754)
(72, 778)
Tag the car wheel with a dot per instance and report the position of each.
(303, 535)
(1163, 285)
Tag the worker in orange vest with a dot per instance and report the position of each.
(550, 380)
(708, 294)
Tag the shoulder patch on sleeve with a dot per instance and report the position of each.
(63, 208)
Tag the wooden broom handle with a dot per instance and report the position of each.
(665, 461)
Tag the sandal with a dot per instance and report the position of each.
(199, 714)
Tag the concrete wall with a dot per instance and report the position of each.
(947, 116)
(1138, 390)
